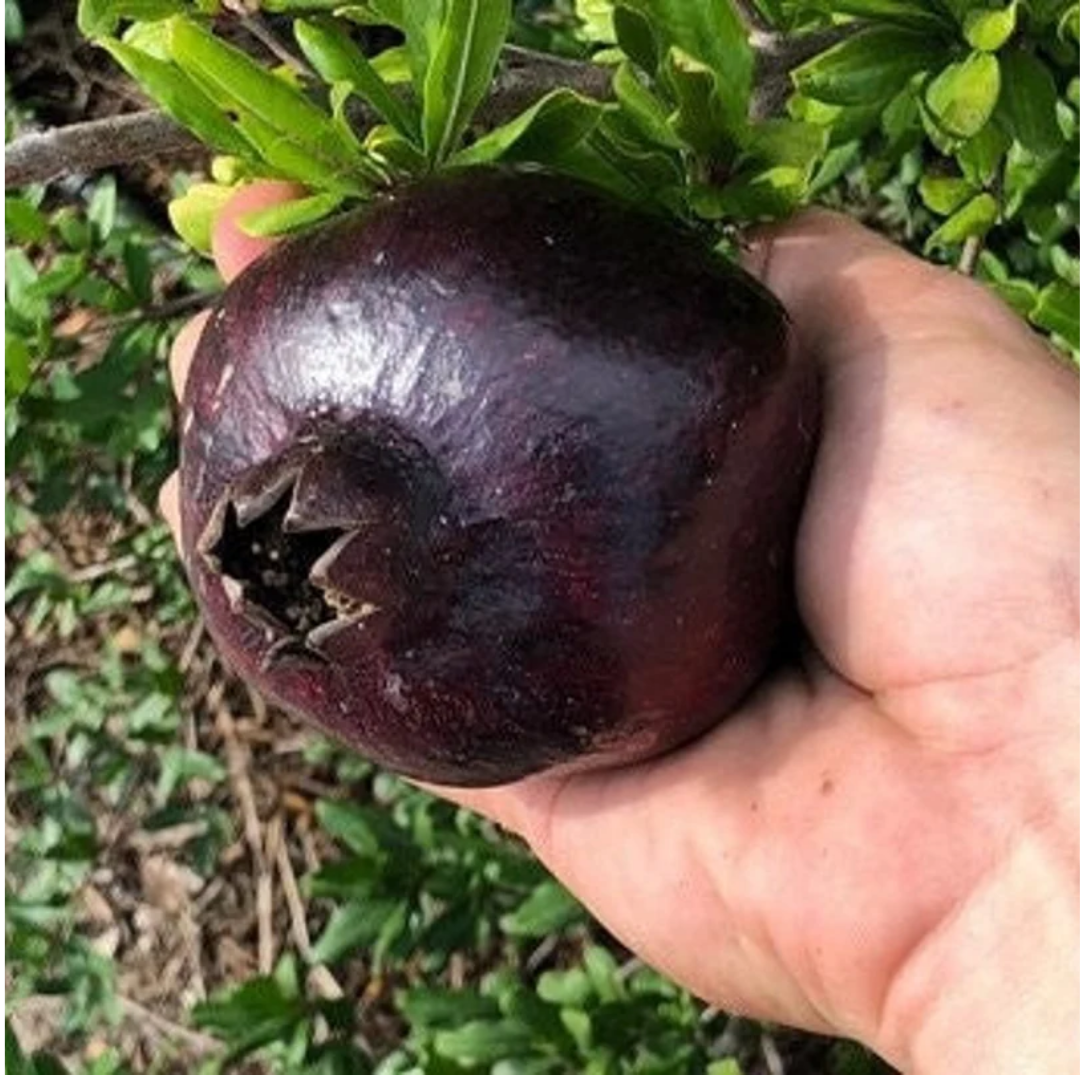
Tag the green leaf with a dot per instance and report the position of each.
(989, 28)
(399, 154)
(337, 59)
(17, 365)
(1058, 311)
(1028, 99)
(19, 278)
(912, 13)
(980, 157)
(868, 68)
(644, 108)
(945, 194)
(460, 70)
(193, 214)
(275, 115)
(101, 210)
(483, 1042)
(99, 18)
(701, 118)
(572, 987)
(728, 1066)
(138, 271)
(355, 925)
(392, 65)
(635, 38)
(430, 1007)
(961, 98)
(543, 133)
(713, 34)
(548, 908)
(13, 23)
(258, 1012)
(179, 765)
(289, 216)
(181, 97)
(421, 20)
(25, 223)
(975, 218)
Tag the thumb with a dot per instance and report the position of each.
(837, 278)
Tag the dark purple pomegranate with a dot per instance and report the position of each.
(496, 476)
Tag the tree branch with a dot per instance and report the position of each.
(96, 144)
(524, 77)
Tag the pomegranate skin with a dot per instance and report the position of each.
(497, 476)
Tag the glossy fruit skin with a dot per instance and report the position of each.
(569, 447)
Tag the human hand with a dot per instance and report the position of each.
(882, 842)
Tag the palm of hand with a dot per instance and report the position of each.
(806, 860)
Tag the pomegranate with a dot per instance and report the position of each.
(495, 476)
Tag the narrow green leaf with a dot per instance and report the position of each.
(101, 210)
(289, 216)
(286, 158)
(909, 13)
(392, 66)
(433, 1007)
(460, 70)
(635, 38)
(353, 926)
(1058, 311)
(181, 97)
(989, 28)
(702, 118)
(243, 85)
(945, 194)
(644, 108)
(13, 21)
(962, 98)
(543, 133)
(483, 1042)
(1028, 100)
(549, 907)
(712, 33)
(17, 366)
(868, 68)
(975, 218)
(99, 18)
(398, 154)
(337, 59)
(193, 214)
(421, 20)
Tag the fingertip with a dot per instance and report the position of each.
(183, 351)
(233, 249)
(169, 505)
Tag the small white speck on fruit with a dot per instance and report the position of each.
(227, 373)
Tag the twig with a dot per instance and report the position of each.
(320, 976)
(771, 1053)
(200, 1043)
(264, 902)
(969, 255)
(94, 144)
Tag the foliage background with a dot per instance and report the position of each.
(193, 883)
